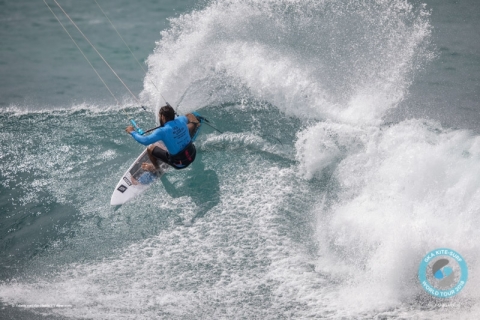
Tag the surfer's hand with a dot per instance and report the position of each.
(191, 118)
(130, 129)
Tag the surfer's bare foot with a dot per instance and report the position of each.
(149, 167)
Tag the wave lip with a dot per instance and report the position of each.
(347, 61)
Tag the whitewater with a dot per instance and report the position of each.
(319, 199)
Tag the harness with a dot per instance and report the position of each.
(184, 158)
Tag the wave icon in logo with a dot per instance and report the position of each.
(443, 273)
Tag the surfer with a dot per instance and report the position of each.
(176, 134)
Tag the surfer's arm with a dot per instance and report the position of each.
(147, 140)
(191, 118)
(192, 123)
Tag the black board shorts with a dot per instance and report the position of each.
(161, 154)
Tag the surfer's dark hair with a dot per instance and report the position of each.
(168, 112)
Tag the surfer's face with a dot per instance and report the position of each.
(162, 120)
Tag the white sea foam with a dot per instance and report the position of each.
(397, 192)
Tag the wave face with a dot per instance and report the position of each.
(308, 205)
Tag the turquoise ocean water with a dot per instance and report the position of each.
(350, 149)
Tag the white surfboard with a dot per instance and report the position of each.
(137, 180)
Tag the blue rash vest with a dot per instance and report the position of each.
(174, 135)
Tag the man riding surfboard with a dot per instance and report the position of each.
(176, 134)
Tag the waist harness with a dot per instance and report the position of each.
(184, 158)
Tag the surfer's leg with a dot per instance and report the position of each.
(149, 167)
(152, 158)
(155, 153)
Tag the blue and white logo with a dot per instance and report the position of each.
(443, 273)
